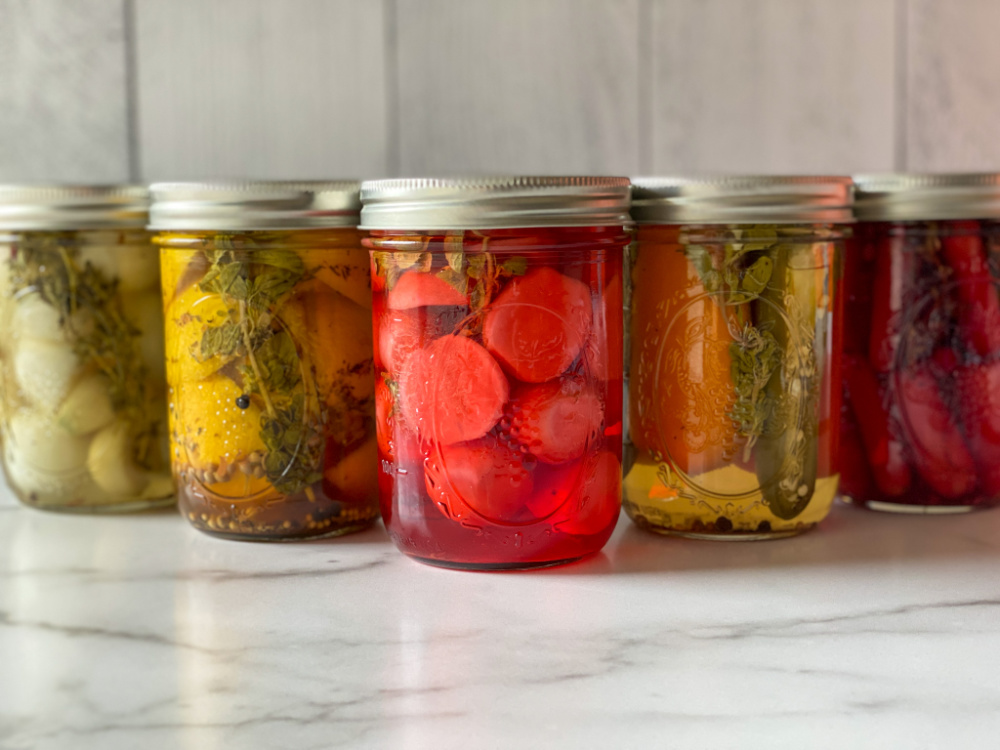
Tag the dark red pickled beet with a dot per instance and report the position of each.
(886, 455)
(978, 387)
(939, 451)
(895, 268)
(979, 309)
(493, 404)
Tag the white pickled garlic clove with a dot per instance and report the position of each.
(35, 440)
(87, 406)
(44, 371)
(356, 477)
(159, 485)
(109, 461)
(34, 318)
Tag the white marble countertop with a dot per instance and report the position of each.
(139, 632)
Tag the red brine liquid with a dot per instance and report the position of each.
(922, 366)
(499, 393)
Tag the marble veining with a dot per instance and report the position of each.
(122, 632)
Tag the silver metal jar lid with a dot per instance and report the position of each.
(766, 199)
(245, 206)
(71, 207)
(919, 197)
(427, 204)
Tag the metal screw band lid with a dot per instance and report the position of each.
(422, 204)
(924, 197)
(765, 199)
(246, 206)
(71, 207)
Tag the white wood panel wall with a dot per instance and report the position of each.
(260, 88)
(63, 105)
(518, 86)
(953, 85)
(100, 90)
(773, 85)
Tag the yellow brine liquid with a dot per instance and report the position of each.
(271, 391)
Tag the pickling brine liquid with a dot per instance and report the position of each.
(271, 395)
(498, 393)
(733, 410)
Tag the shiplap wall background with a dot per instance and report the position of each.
(109, 90)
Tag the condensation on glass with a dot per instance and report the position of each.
(83, 395)
(734, 328)
(498, 346)
(267, 296)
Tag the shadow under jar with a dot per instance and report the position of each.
(81, 358)
(734, 337)
(921, 416)
(269, 357)
(498, 344)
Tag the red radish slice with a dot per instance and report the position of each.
(486, 475)
(415, 289)
(452, 391)
(402, 332)
(538, 324)
(556, 421)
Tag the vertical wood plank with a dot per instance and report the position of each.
(63, 92)
(261, 89)
(953, 91)
(773, 85)
(535, 86)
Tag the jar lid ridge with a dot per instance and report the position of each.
(54, 207)
(254, 205)
(430, 203)
(742, 199)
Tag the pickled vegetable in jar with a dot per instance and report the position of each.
(922, 345)
(498, 346)
(83, 409)
(734, 337)
(269, 357)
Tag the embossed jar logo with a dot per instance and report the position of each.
(703, 356)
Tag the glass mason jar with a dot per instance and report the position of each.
(82, 395)
(498, 345)
(733, 366)
(269, 357)
(921, 415)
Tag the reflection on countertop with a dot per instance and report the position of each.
(874, 631)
